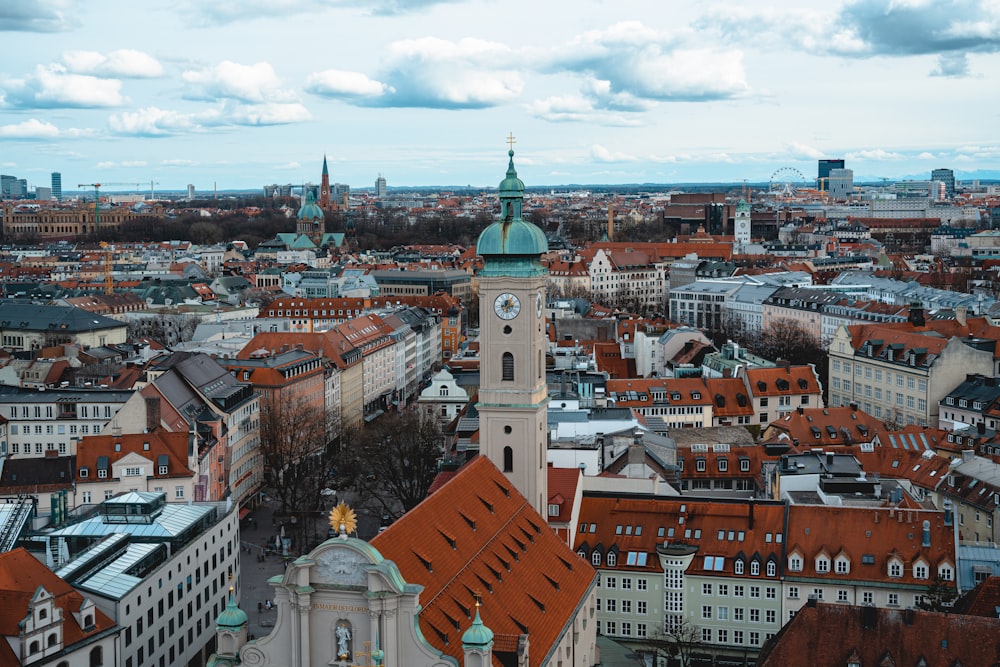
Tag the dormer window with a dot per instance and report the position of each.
(795, 563)
(699, 464)
(772, 569)
(822, 564)
(738, 567)
(945, 572)
(895, 569)
(612, 559)
(920, 570)
(723, 465)
(843, 565)
(755, 568)
(595, 559)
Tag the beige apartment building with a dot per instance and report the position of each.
(899, 373)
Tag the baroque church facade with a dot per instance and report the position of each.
(473, 576)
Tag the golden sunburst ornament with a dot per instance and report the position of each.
(343, 519)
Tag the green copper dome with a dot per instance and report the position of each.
(310, 210)
(743, 205)
(478, 635)
(510, 237)
(232, 617)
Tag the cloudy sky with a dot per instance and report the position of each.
(239, 93)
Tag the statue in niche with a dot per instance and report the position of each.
(343, 635)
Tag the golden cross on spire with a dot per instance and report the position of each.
(511, 140)
(479, 598)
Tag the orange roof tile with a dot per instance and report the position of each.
(477, 535)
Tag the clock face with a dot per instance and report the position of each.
(507, 306)
(538, 304)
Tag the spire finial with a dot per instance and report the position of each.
(510, 142)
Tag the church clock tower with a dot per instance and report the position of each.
(513, 396)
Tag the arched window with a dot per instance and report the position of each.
(63, 663)
(755, 568)
(97, 657)
(43, 614)
(53, 639)
(508, 459)
(612, 559)
(738, 567)
(508, 367)
(595, 558)
(33, 648)
(772, 568)
(88, 621)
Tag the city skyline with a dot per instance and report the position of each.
(234, 95)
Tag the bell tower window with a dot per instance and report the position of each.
(507, 366)
(508, 459)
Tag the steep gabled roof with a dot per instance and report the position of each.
(21, 575)
(826, 635)
(477, 535)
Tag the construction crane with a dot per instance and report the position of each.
(97, 197)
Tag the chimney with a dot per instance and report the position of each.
(917, 314)
(750, 515)
(829, 458)
(926, 539)
(967, 455)
(960, 314)
(152, 413)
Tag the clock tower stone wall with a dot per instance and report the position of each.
(513, 395)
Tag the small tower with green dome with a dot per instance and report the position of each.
(477, 643)
(513, 397)
(230, 634)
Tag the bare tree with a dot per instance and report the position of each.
(393, 461)
(298, 453)
(675, 646)
(939, 596)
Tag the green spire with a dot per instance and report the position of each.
(478, 635)
(511, 245)
(326, 172)
(232, 617)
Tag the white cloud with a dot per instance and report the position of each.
(35, 16)
(340, 83)
(289, 165)
(576, 108)
(125, 63)
(876, 154)
(179, 162)
(29, 129)
(800, 150)
(151, 122)
(266, 114)
(228, 80)
(643, 64)
(601, 154)
(53, 87)
(927, 156)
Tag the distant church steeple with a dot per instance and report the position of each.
(324, 188)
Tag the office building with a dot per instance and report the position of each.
(380, 186)
(840, 183)
(190, 191)
(946, 176)
(43, 193)
(826, 166)
(57, 185)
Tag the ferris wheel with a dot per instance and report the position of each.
(785, 181)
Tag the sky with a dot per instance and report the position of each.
(235, 94)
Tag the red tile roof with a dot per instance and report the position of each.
(828, 635)
(718, 528)
(477, 535)
(21, 575)
(173, 445)
(783, 381)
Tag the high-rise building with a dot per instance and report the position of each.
(380, 186)
(841, 183)
(513, 395)
(826, 166)
(190, 191)
(43, 193)
(946, 176)
(57, 185)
